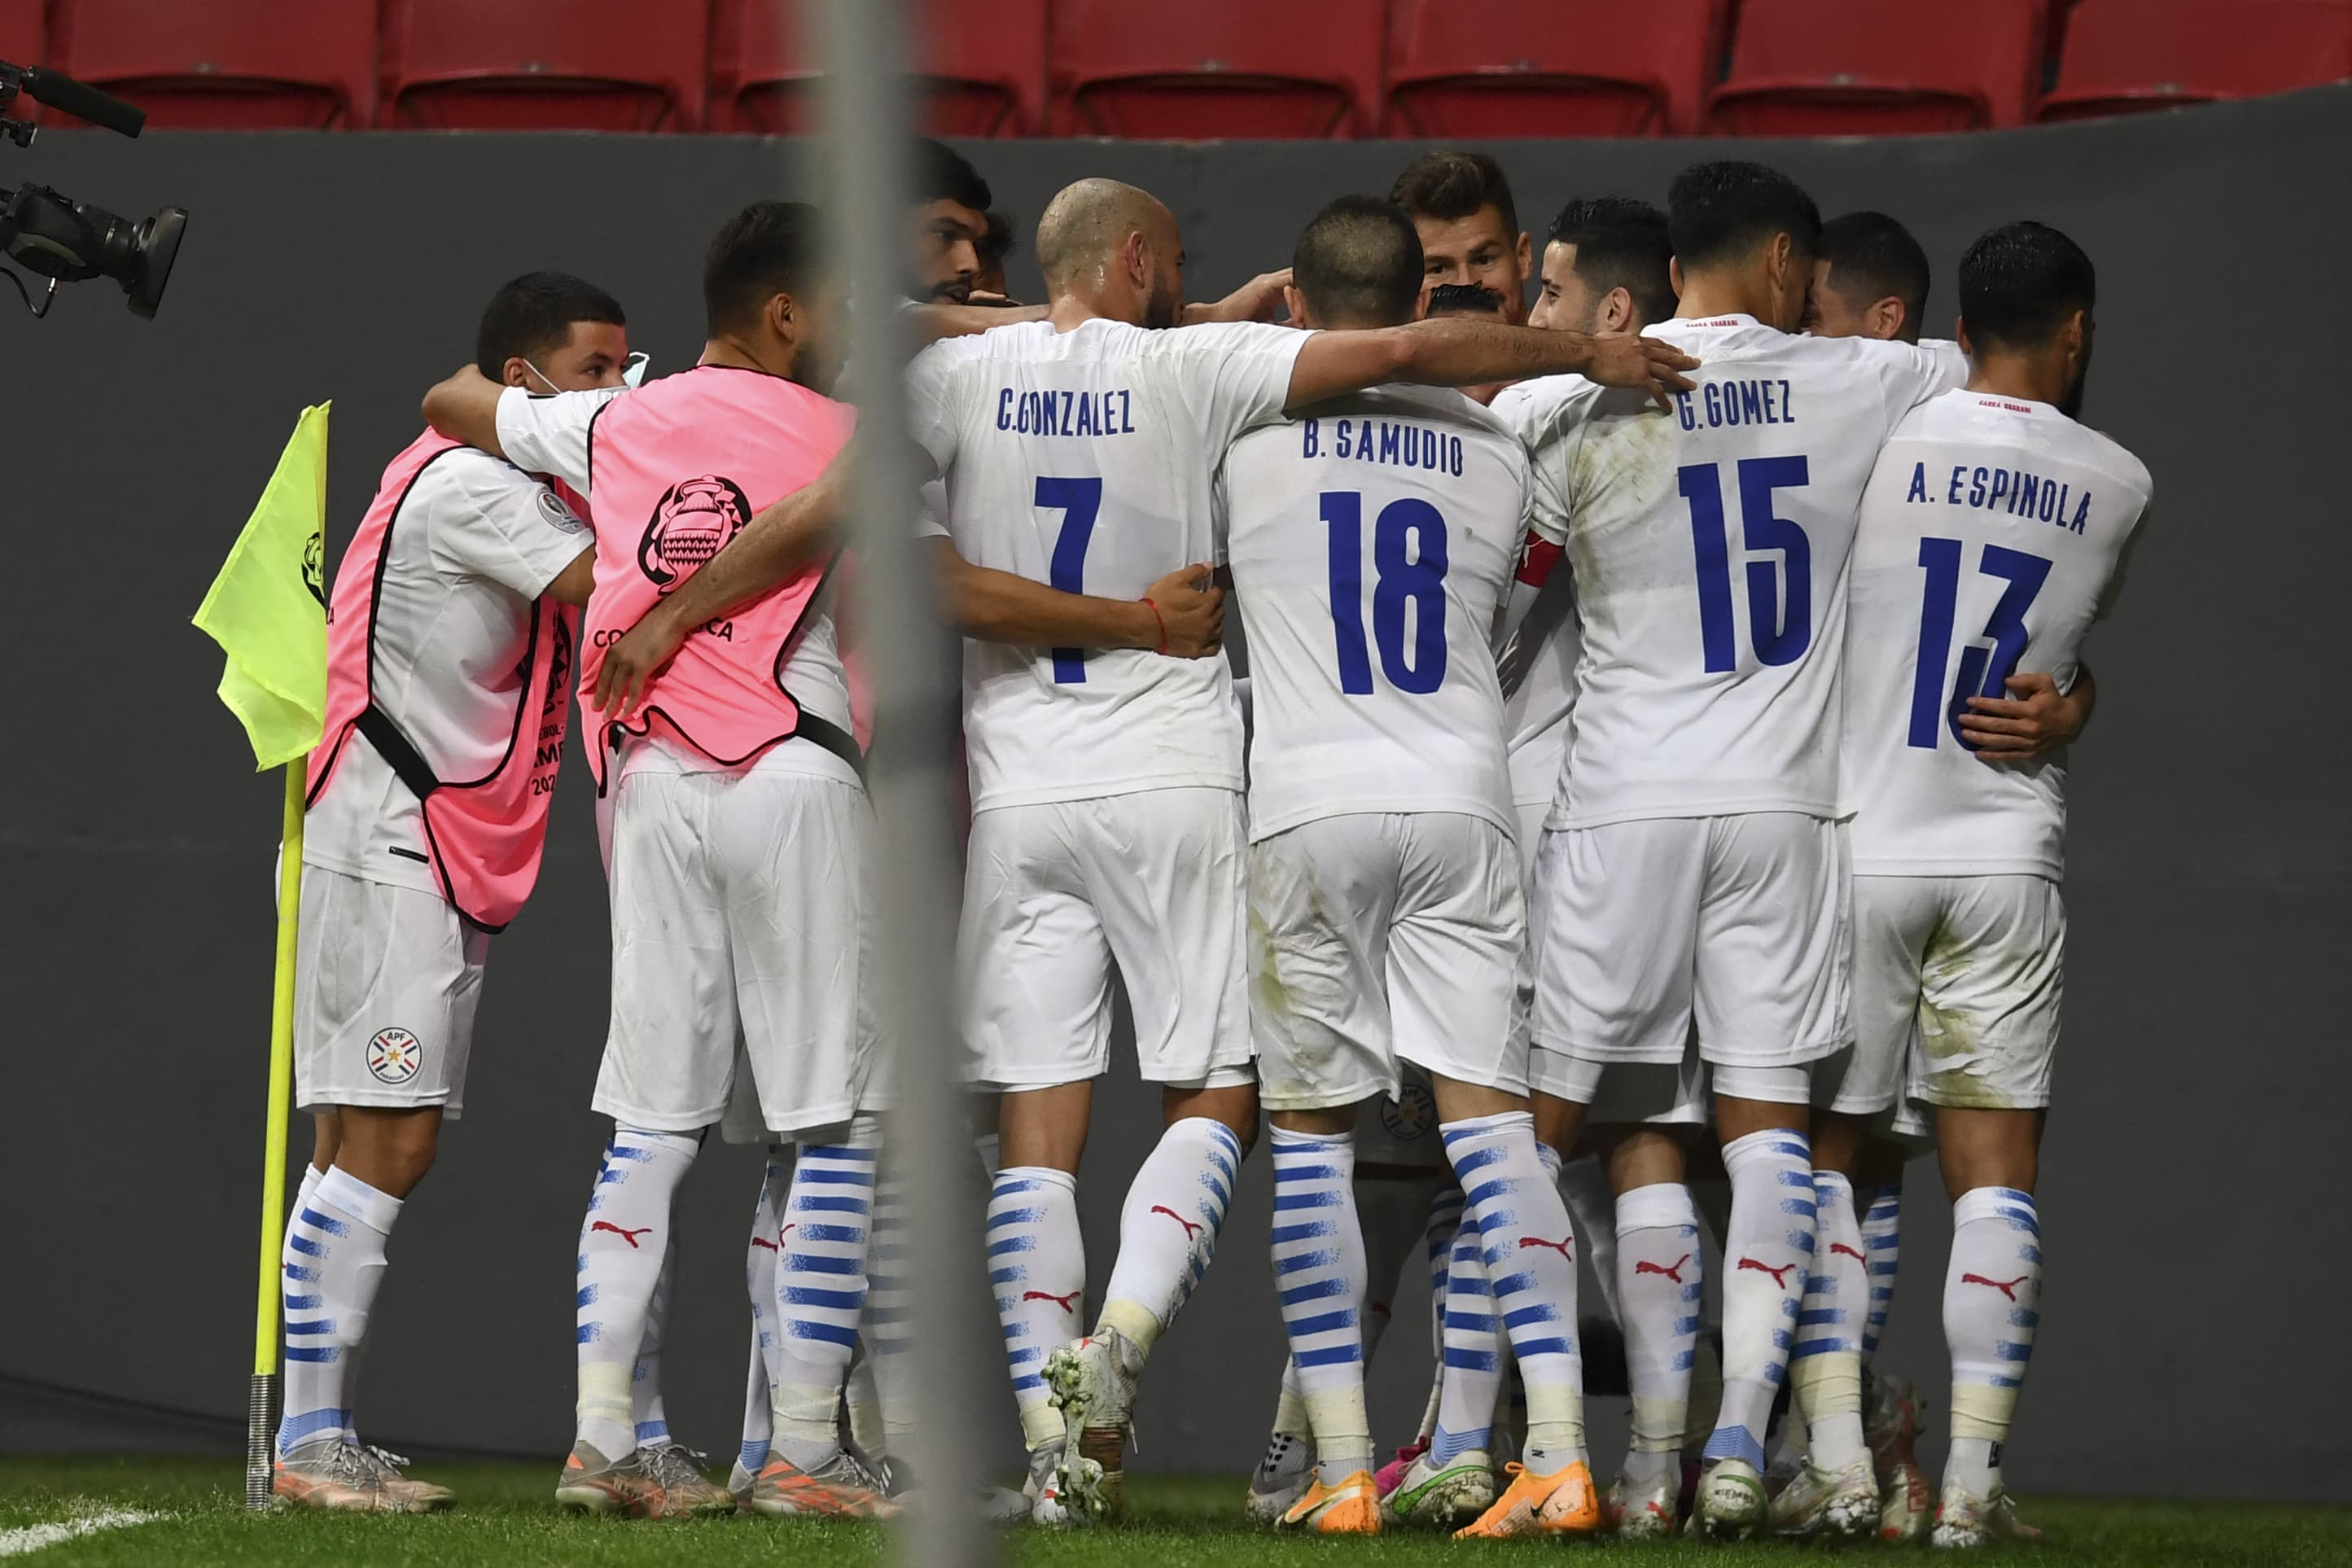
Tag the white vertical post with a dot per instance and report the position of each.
(912, 665)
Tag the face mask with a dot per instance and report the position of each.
(633, 372)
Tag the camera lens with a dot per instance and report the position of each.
(156, 246)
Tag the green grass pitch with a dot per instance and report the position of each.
(505, 1519)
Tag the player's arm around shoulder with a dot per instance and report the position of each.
(464, 407)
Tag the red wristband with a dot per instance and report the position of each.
(1162, 622)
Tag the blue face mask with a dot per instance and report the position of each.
(633, 372)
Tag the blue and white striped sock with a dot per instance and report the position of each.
(644, 1379)
(1320, 1278)
(1528, 1248)
(760, 1255)
(821, 1289)
(1168, 1228)
(333, 1262)
(623, 1239)
(1661, 1281)
(1037, 1270)
(1768, 1250)
(1882, 1240)
(1826, 1365)
(1992, 1307)
(1471, 1365)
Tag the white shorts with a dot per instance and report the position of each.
(1736, 924)
(1058, 892)
(1531, 814)
(386, 983)
(1957, 984)
(737, 905)
(1378, 939)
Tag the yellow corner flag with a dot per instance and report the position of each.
(267, 608)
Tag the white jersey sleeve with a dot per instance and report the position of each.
(1083, 461)
(1371, 540)
(1992, 535)
(547, 433)
(1710, 547)
(520, 536)
(1538, 652)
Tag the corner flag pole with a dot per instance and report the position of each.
(262, 1406)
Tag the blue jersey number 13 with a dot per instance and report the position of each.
(1990, 658)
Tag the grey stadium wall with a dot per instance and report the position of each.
(2206, 1057)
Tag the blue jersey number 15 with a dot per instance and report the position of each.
(1780, 624)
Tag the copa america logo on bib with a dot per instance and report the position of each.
(395, 1056)
(1411, 1113)
(692, 522)
(557, 515)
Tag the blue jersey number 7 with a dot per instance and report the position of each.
(1079, 501)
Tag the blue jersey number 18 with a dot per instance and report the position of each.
(1406, 524)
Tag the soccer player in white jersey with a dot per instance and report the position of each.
(1695, 869)
(1407, 1201)
(390, 971)
(1077, 451)
(1370, 540)
(1993, 534)
(1607, 269)
(1871, 280)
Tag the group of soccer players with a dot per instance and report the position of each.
(1666, 729)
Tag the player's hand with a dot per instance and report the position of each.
(2032, 721)
(631, 664)
(1647, 364)
(1259, 300)
(1192, 611)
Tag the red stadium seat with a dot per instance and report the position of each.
(212, 65)
(983, 68)
(1550, 68)
(2158, 54)
(1865, 67)
(24, 41)
(541, 64)
(1202, 70)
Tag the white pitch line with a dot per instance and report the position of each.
(33, 1537)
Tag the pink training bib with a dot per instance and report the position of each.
(677, 468)
(483, 836)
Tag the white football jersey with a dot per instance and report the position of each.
(475, 542)
(1710, 547)
(1539, 651)
(1083, 460)
(1993, 534)
(1371, 542)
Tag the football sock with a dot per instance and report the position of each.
(1319, 1279)
(1767, 1247)
(1290, 1407)
(821, 1289)
(888, 1369)
(1882, 1240)
(333, 1264)
(1826, 1365)
(350, 1361)
(651, 1420)
(1517, 1209)
(1993, 1295)
(1168, 1228)
(1660, 1281)
(623, 1242)
(1037, 1268)
(1470, 1373)
(760, 1283)
(861, 1395)
(1584, 1187)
